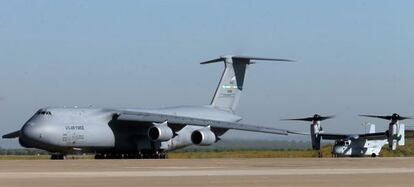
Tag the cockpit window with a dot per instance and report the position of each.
(43, 112)
(340, 143)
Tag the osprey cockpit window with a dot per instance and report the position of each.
(340, 143)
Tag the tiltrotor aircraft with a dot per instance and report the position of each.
(143, 133)
(368, 144)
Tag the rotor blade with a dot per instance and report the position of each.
(393, 117)
(326, 117)
(374, 116)
(316, 117)
(404, 118)
(298, 133)
(299, 119)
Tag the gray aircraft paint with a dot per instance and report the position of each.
(367, 144)
(88, 128)
(125, 130)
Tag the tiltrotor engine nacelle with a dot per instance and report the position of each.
(203, 137)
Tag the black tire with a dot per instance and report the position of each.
(99, 156)
(57, 156)
(164, 156)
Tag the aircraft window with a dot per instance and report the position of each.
(341, 143)
(44, 113)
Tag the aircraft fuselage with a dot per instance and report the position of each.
(357, 147)
(68, 130)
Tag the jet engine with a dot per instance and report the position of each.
(203, 137)
(160, 132)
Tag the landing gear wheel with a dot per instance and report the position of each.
(320, 155)
(99, 156)
(57, 156)
(373, 155)
(163, 156)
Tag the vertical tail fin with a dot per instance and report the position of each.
(401, 135)
(229, 89)
(371, 128)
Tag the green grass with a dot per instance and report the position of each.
(243, 154)
(43, 157)
(24, 157)
(402, 151)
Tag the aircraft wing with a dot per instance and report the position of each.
(368, 136)
(182, 121)
(374, 136)
(327, 136)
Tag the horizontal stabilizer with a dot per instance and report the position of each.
(228, 91)
(246, 59)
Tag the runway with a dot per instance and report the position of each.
(210, 172)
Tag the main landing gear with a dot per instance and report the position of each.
(320, 154)
(155, 155)
(57, 156)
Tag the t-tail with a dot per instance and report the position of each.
(229, 89)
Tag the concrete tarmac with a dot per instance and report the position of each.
(210, 172)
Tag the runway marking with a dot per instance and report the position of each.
(191, 173)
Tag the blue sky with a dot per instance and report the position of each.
(352, 57)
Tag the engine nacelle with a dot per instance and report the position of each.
(392, 136)
(315, 138)
(203, 137)
(396, 135)
(160, 133)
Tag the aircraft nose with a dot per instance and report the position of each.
(39, 135)
(30, 132)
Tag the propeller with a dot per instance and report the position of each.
(315, 117)
(393, 117)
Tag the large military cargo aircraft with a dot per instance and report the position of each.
(143, 133)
